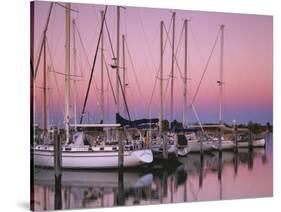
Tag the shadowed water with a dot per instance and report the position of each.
(246, 174)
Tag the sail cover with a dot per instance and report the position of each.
(187, 130)
(134, 123)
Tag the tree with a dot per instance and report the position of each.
(165, 125)
(176, 124)
(269, 127)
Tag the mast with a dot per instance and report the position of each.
(221, 88)
(32, 82)
(184, 121)
(102, 76)
(172, 71)
(117, 59)
(48, 98)
(42, 44)
(67, 71)
(34, 74)
(124, 71)
(75, 68)
(44, 86)
(221, 73)
(92, 69)
(161, 78)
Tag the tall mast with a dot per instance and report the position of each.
(172, 71)
(161, 78)
(32, 77)
(75, 68)
(48, 98)
(42, 44)
(124, 71)
(221, 89)
(42, 48)
(184, 121)
(44, 85)
(117, 59)
(221, 73)
(102, 81)
(67, 71)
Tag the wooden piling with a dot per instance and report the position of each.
(234, 136)
(236, 162)
(220, 138)
(220, 166)
(250, 149)
(120, 194)
(235, 139)
(57, 167)
(165, 148)
(201, 144)
(176, 144)
(250, 158)
(57, 154)
(58, 196)
(120, 150)
(201, 173)
(149, 139)
(250, 138)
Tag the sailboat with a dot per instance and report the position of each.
(243, 141)
(80, 155)
(183, 147)
(221, 143)
(225, 144)
(164, 145)
(77, 152)
(187, 139)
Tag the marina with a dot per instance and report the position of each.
(191, 180)
(99, 141)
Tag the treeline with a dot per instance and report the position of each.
(253, 126)
(257, 127)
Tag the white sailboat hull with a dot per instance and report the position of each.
(159, 149)
(91, 159)
(256, 143)
(225, 145)
(196, 146)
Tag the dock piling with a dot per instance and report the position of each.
(120, 196)
(220, 164)
(120, 150)
(165, 149)
(250, 138)
(236, 162)
(176, 144)
(58, 196)
(235, 138)
(201, 171)
(57, 154)
(58, 172)
(201, 144)
(220, 138)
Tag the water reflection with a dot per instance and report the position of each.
(212, 176)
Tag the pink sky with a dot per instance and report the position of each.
(247, 61)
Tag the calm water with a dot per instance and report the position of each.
(246, 174)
